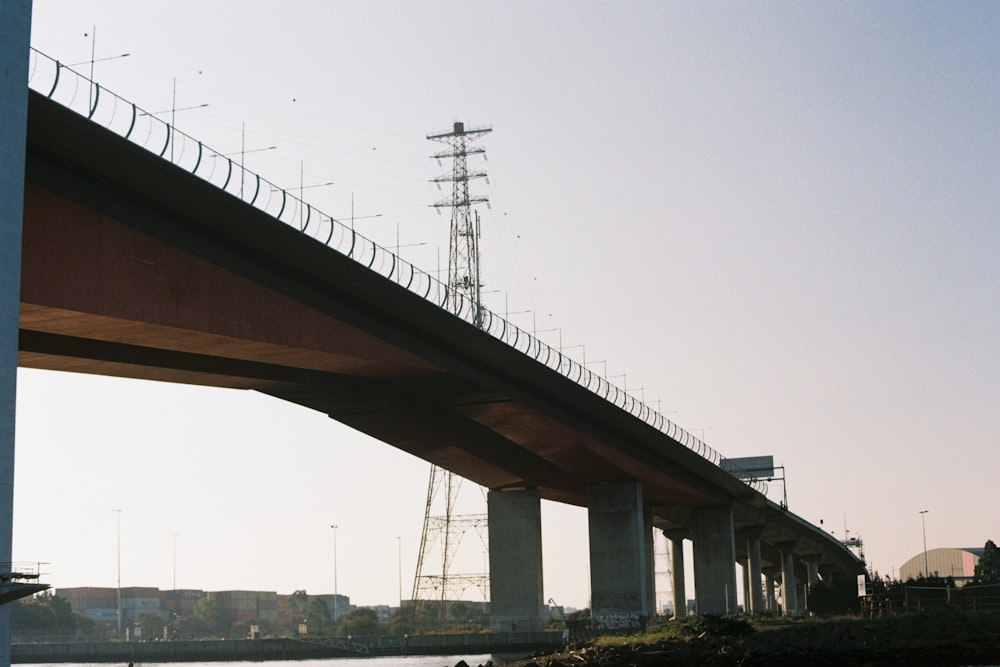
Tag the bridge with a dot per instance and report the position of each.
(187, 268)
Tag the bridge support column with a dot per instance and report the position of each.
(515, 530)
(755, 602)
(15, 32)
(714, 559)
(650, 559)
(745, 568)
(619, 587)
(789, 594)
(770, 603)
(676, 538)
(812, 578)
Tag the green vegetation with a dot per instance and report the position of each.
(51, 614)
(944, 638)
(988, 568)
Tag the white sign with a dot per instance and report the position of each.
(862, 586)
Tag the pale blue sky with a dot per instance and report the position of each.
(779, 220)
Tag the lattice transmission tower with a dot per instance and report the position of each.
(463, 242)
(443, 527)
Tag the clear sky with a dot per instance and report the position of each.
(777, 222)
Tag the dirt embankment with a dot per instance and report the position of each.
(940, 639)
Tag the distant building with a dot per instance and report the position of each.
(342, 606)
(101, 604)
(97, 604)
(180, 602)
(960, 564)
(140, 601)
(384, 612)
(247, 605)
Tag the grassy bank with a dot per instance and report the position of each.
(940, 638)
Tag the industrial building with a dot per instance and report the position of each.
(960, 564)
(101, 604)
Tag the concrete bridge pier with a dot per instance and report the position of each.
(812, 578)
(15, 33)
(789, 595)
(515, 530)
(714, 541)
(770, 602)
(745, 580)
(619, 536)
(650, 559)
(755, 600)
(679, 592)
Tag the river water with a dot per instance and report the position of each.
(382, 661)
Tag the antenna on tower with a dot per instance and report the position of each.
(464, 284)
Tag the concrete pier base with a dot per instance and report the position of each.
(813, 579)
(618, 545)
(516, 591)
(650, 559)
(789, 594)
(15, 34)
(679, 593)
(770, 602)
(755, 602)
(745, 580)
(714, 559)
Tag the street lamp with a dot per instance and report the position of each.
(399, 544)
(923, 524)
(335, 594)
(174, 537)
(118, 542)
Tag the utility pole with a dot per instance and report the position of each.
(118, 550)
(173, 537)
(464, 287)
(923, 524)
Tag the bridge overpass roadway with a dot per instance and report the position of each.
(133, 267)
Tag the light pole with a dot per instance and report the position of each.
(118, 543)
(923, 524)
(399, 544)
(174, 537)
(335, 594)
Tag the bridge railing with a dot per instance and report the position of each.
(72, 89)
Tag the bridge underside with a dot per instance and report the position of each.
(131, 267)
(124, 275)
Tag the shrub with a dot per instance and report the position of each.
(719, 626)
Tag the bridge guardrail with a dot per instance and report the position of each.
(75, 91)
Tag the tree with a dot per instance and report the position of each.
(293, 610)
(188, 627)
(359, 623)
(152, 626)
(839, 596)
(211, 613)
(317, 614)
(49, 612)
(988, 568)
(402, 621)
(32, 614)
(61, 607)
